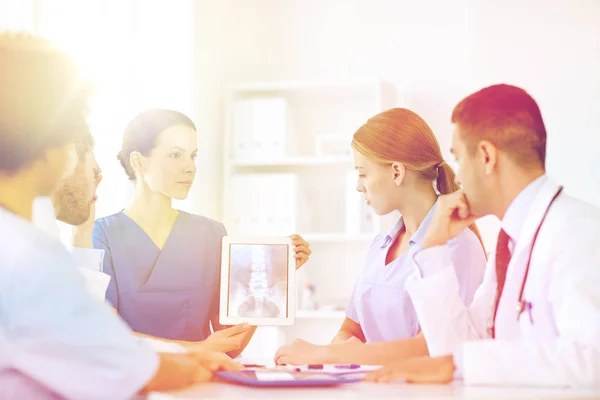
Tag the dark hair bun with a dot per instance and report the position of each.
(126, 166)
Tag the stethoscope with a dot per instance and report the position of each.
(523, 305)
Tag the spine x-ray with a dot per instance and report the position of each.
(258, 281)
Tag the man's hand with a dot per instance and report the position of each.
(225, 340)
(177, 371)
(215, 361)
(416, 370)
(301, 249)
(451, 217)
(180, 370)
(301, 352)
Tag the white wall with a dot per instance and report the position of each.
(137, 53)
(433, 52)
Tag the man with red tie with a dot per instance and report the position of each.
(535, 319)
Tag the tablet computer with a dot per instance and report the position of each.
(286, 379)
(258, 281)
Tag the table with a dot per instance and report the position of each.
(364, 390)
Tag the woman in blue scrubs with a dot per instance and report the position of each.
(164, 262)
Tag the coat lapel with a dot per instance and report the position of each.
(534, 217)
(507, 324)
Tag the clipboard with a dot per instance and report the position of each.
(279, 379)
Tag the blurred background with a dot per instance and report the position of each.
(278, 87)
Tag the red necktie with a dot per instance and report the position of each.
(502, 259)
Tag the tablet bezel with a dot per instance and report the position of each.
(226, 242)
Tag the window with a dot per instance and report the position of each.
(137, 54)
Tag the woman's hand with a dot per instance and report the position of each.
(351, 339)
(301, 352)
(224, 340)
(301, 249)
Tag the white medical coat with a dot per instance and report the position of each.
(560, 344)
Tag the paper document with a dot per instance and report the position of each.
(95, 282)
(161, 346)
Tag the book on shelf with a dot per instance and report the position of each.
(261, 128)
(263, 204)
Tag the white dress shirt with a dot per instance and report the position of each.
(87, 260)
(516, 214)
(557, 341)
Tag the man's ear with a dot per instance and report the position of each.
(398, 172)
(487, 155)
(65, 156)
(54, 165)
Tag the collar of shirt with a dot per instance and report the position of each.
(515, 215)
(417, 237)
(44, 216)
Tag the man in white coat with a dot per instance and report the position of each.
(535, 319)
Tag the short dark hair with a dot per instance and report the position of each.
(142, 133)
(43, 101)
(506, 116)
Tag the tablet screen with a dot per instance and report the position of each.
(258, 280)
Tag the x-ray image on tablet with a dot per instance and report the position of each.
(257, 281)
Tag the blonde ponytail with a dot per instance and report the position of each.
(446, 180)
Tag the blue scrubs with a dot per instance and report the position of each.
(171, 293)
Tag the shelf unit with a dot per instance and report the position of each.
(288, 169)
(315, 161)
(336, 238)
(321, 314)
(284, 86)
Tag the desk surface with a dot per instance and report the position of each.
(375, 391)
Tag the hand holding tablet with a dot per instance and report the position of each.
(224, 340)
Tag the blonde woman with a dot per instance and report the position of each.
(398, 160)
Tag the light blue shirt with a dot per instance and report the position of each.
(379, 302)
(55, 339)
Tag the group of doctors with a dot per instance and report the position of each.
(429, 305)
